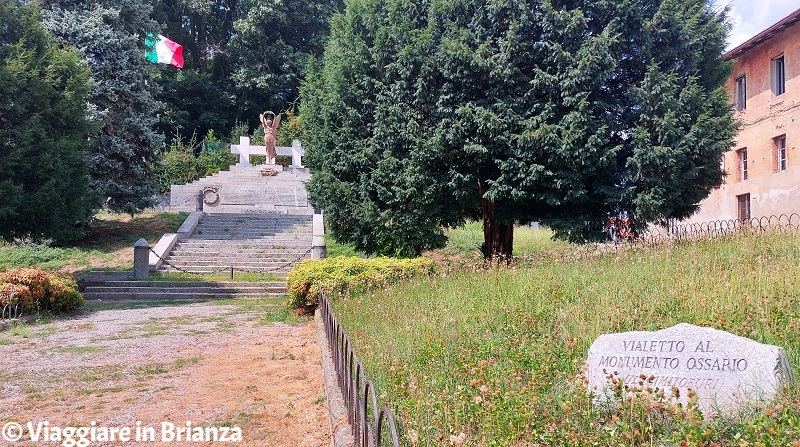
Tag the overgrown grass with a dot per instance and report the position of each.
(337, 249)
(467, 239)
(108, 245)
(496, 354)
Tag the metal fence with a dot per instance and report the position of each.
(10, 311)
(676, 232)
(363, 414)
(669, 233)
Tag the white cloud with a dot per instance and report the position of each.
(750, 17)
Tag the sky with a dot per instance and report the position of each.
(750, 17)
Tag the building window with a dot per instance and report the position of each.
(778, 76)
(741, 93)
(742, 155)
(780, 153)
(743, 207)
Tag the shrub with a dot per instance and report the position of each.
(12, 294)
(39, 290)
(347, 274)
(180, 164)
(215, 156)
(64, 295)
(37, 281)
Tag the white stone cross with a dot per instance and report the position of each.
(245, 150)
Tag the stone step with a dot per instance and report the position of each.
(221, 240)
(155, 295)
(244, 254)
(205, 290)
(222, 228)
(263, 239)
(213, 270)
(251, 254)
(252, 226)
(224, 245)
(182, 255)
(236, 263)
(196, 284)
(208, 232)
(115, 290)
(251, 219)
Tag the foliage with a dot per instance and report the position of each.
(242, 58)
(194, 102)
(108, 33)
(180, 165)
(269, 49)
(201, 96)
(44, 125)
(335, 249)
(497, 353)
(291, 128)
(344, 275)
(215, 156)
(423, 114)
(38, 290)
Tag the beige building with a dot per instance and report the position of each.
(763, 166)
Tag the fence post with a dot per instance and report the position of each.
(141, 259)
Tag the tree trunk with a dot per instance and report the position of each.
(498, 238)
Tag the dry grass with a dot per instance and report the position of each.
(109, 244)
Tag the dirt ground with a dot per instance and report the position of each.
(207, 364)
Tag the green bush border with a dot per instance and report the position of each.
(340, 275)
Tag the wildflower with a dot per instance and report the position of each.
(458, 440)
(413, 436)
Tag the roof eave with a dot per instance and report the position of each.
(754, 41)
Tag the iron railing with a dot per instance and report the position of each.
(10, 311)
(657, 235)
(366, 420)
(676, 232)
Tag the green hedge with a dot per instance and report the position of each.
(36, 289)
(347, 274)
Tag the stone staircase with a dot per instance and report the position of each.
(244, 242)
(129, 290)
(252, 224)
(246, 189)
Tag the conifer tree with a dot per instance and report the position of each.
(44, 127)
(110, 34)
(427, 112)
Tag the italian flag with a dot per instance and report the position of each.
(162, 50)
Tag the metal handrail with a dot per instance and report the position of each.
(357, 390)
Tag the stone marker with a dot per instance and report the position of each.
(725, 370)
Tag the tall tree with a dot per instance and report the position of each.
(270, 47)
(44, 127)
(202, 96)
(562, 111)
(110, 34)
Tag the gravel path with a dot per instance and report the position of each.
(209, 364)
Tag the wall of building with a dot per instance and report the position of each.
(766, 116)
